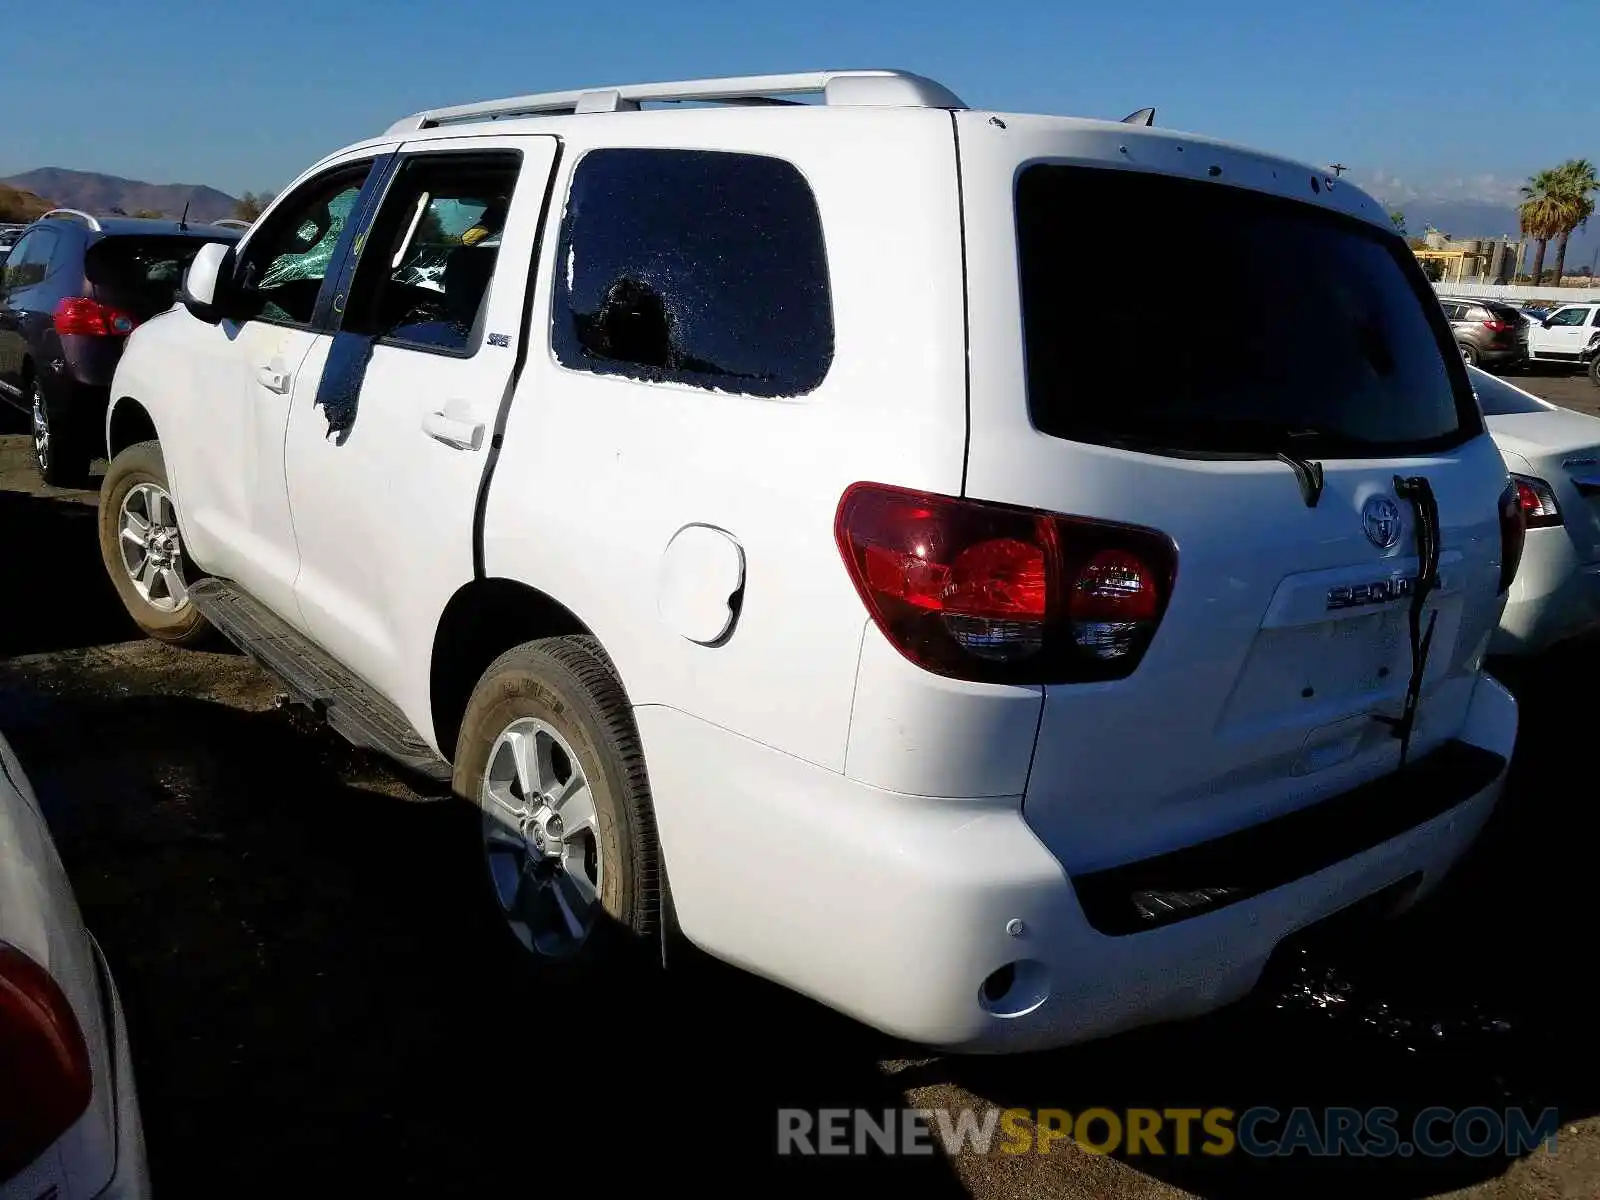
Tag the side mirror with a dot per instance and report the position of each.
(207, 284)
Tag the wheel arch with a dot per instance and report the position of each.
(128, 423)
(482, 620)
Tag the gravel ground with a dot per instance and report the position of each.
(317, 1004)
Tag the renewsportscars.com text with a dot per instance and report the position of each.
(1259, 1132)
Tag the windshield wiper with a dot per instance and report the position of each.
(1419, 492)
(1248, 436)
(1308, 473)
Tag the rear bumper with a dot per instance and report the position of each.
(896, 909)
(1500, 355)
(1555, 597)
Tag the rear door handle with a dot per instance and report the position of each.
(452, 431)
(273, 380)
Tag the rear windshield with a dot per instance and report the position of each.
(140, 266)
(1300, 330)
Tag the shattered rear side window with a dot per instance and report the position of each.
(700, 267)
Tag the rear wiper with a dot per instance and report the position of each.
(1308, 473)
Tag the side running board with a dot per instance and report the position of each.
(314, 678)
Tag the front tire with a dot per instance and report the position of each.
(549, 754)
(142, 549)
(58, 451)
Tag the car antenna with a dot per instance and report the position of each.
(183, 221)
(1144, 116)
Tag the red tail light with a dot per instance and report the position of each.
(990, 593)
(90, 318)
(1494, 325)
(1513, 534)
(1539, 507)
(45, 1080)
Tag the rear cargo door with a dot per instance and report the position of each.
(1299, 329)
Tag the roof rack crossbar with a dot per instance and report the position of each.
(880, 88)
(88, 219)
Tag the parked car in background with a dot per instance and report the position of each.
(1489, 333)
(72, 290)
(587, 468)
(1553, 455)
(1535, 314)
(1565, 335)
(69, 1110)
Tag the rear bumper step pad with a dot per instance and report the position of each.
(1204, 877)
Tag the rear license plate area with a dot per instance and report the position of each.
(1357, 663)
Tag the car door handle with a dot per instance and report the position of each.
(273, 380)
(452, 431)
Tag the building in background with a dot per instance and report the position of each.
(1469, 260)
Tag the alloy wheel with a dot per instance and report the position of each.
(541, 839)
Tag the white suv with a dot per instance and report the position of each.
(739, 504)
(1567, 335)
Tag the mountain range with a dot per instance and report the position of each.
(99, 194)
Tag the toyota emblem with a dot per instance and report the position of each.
(1380, 519)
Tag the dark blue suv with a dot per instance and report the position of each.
(73, 288)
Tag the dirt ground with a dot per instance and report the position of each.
(318, 1005)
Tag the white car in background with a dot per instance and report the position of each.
(69, 1113)
(1553, 455)
(1564, 335)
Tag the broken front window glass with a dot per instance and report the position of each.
(287, 261)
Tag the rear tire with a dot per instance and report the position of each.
(1594, 370)
(142, 551)
(60, 453)
(1469, 355)
(550, 757)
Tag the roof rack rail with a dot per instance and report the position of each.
(232, 223)
(848, 88)
(88, 219)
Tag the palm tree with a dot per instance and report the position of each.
(1577, 185)
(1541, 214)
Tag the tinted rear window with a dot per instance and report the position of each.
(144, 266)
(1314, 332)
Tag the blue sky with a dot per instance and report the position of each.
(1428, 98)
